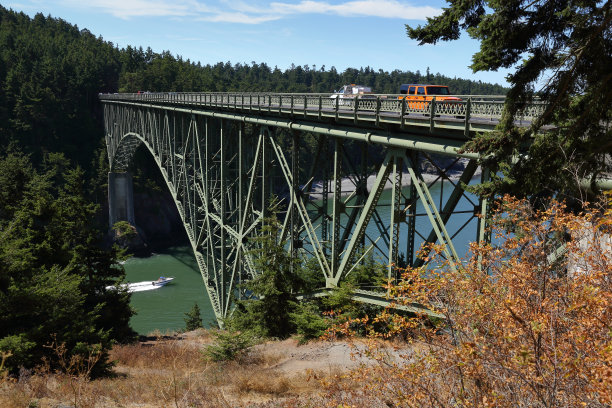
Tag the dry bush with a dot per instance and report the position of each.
(258, 357)
(271, 388)
(262, 382)
(522, 328)
(13, 396)
(171, 372)
(168, 373)
(161, 354)
(163, 388)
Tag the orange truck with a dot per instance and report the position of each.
(419, 95)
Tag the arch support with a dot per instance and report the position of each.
(222, 170)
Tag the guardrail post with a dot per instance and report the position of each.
(305, 104)
(432, 114)
(356, 102)
(468, 109)
(403, 119)
(269, 102)
(291, 104)
(337, 102)
(320, 106)
(377, 110)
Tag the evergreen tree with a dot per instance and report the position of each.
(193, 320)
(53, 272)
(270, 314)
(567, 46)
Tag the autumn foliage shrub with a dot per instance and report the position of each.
(528, 320)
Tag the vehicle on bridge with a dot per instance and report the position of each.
(351, 91)
(419, 96)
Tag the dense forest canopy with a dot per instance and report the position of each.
(146, 70)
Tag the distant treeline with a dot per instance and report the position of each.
(149, 71)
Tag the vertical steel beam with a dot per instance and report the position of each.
(222, 244)
(295, 185)
(483, 220)
(325, 196)
(411, 203)
(395, 216)
(265, 165)
(484, 210)
(337, 209)
(241, 207)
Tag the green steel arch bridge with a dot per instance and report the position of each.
(224, 155)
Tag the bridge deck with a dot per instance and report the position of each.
(473, 113)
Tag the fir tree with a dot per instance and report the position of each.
(53, 273)
(563, 47)
(270, 314)
(193, 320)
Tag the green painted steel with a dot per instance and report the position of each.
(471, 113)
(223, 156)
(379, 299)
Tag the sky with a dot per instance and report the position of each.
(339, 33)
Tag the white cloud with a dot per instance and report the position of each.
(245, 13)
(368, 8)
(127, 9)
(238, 17)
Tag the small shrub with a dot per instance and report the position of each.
(16, 352)
(308, 321)
(124, 229)
(228, 345)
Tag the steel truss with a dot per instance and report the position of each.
(222, 172)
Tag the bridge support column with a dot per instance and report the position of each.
(120, 198)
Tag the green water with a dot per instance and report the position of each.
(164, 308)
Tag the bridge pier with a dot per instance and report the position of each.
(120, 198)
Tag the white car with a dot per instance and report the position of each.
(348, 92)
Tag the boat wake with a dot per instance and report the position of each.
(144, 285)
(141, 286)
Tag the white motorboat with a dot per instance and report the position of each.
(143, 286)
(163, 280)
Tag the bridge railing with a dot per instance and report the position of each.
(371, 107)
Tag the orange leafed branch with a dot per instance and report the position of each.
(526, 323)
